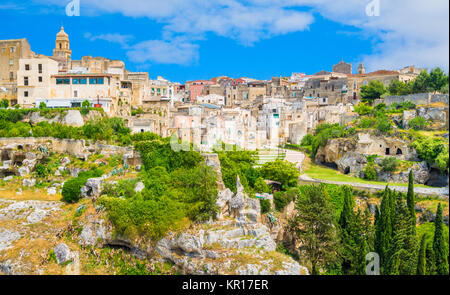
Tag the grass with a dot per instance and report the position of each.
(314, 170)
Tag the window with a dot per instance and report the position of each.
(60, 81)
(40, 68)
(96, 81)
(40, 79)
(11, 76)
(12, 49)
(27, 67)
(25, 93)
(11, 62)
(25, 81)
(75, 93)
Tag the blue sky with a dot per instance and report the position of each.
(197, 39)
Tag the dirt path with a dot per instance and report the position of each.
(297, 159)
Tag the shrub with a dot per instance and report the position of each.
(282, 171)
(41, 170)
(281, 199)
(72, 188)
(86, 104)
(363, 109)
(265, 206)
(4, 103)
(390, 164)
(42, 105)
(442, 160)
(418, 123)
(369, 172)
(261, 186)
(383, 124)
(307, 140)
(367, 122)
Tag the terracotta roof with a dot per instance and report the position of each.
(376, 73)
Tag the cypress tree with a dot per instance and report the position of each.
(410, 202)
(422, 259)
(383, 231)
(347, 213)
(440, 253)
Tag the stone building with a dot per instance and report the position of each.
(62, 51)
(34, 79)
(356, 81)
(343, 68)
(11, 51)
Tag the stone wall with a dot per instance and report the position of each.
(418, 99)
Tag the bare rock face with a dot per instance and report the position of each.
(408, 115)
(95, 231)
(62, 253)
(420, 172)
(351, 162)
(93, 187)
(28, 182)
(216, 251)
(435, 114)
(73, 118)
(222, 202)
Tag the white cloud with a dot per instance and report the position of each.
(406, 32)
(123, 40)
(176, 51)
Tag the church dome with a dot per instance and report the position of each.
(62, 34)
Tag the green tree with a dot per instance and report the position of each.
(421, 83)
(4, 103)
(422, 260)
(410, 201)
(437, 79)
(86, 104)
(401, 257)
(369, 172)
(314, 227)
(384, 226)
(261, 186)
(397, 87)
(439, 248)
(374, 90)
(282, 171)
(390, 164)
(418, 123)
(42, 105)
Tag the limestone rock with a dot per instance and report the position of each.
(8, 178)
(239, 187)
(351, 162)
(28, 182)
(62, 253)
(408, 115)
(65, 161)
(94, 232)
(73, 118)
(93, 187)
(51, 191)
(23, 171)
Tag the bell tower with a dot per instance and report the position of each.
(62, 49)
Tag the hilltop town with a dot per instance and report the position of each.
(104, 170)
